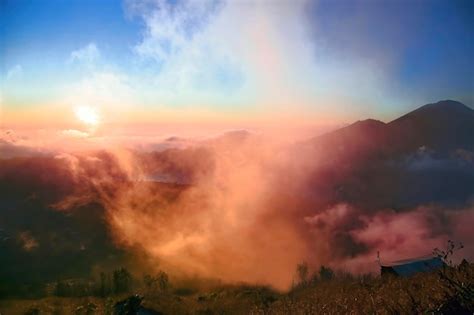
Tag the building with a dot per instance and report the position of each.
(408, 267)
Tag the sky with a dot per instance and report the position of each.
(67, 63)
(85, 81)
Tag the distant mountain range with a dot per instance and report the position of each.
(424, 156)
(442, 127)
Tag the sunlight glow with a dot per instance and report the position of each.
(87, 115)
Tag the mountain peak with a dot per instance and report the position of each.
(444, 126)
(438, 110)
(369, 123)
(447, 105)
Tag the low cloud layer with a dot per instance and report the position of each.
(246, 207)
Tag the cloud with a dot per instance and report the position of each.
(170, 28)
(75, 133)
(202, 52)
(15, 72)
(199, 207)
(87, 54)
(231, 200)
(265, 55)
(14, 145)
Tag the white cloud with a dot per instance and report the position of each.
(266, 48)
(73, 133)
(170, 28)
(15, 72)
(87, 54)
(204, 49)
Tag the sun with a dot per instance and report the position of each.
(87, 114)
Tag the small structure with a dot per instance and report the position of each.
(409, 267)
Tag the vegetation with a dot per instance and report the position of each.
(156, 284)
(449, 290)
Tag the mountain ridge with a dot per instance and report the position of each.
(442, 126)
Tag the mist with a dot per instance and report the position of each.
(248, 207)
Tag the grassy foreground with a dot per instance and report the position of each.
(449, 291)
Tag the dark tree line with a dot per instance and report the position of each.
(116, 282)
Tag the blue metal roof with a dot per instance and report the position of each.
(411, 267)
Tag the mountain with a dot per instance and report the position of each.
(442, 127)
(425, 156)
(357, 140)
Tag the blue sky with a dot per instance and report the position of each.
(341, 58)
(429, 43)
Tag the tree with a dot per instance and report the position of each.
(105, 286)
(447, 254)
(151, 283)
(163, 281)
(326, 273)
(160, 282)
(122, 280)
(302, 273)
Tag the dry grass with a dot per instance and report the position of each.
(423, 293)
(57, 306)
(446, 292)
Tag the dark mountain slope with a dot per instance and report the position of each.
(424, 156)
(357, 141)
(443, 126)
